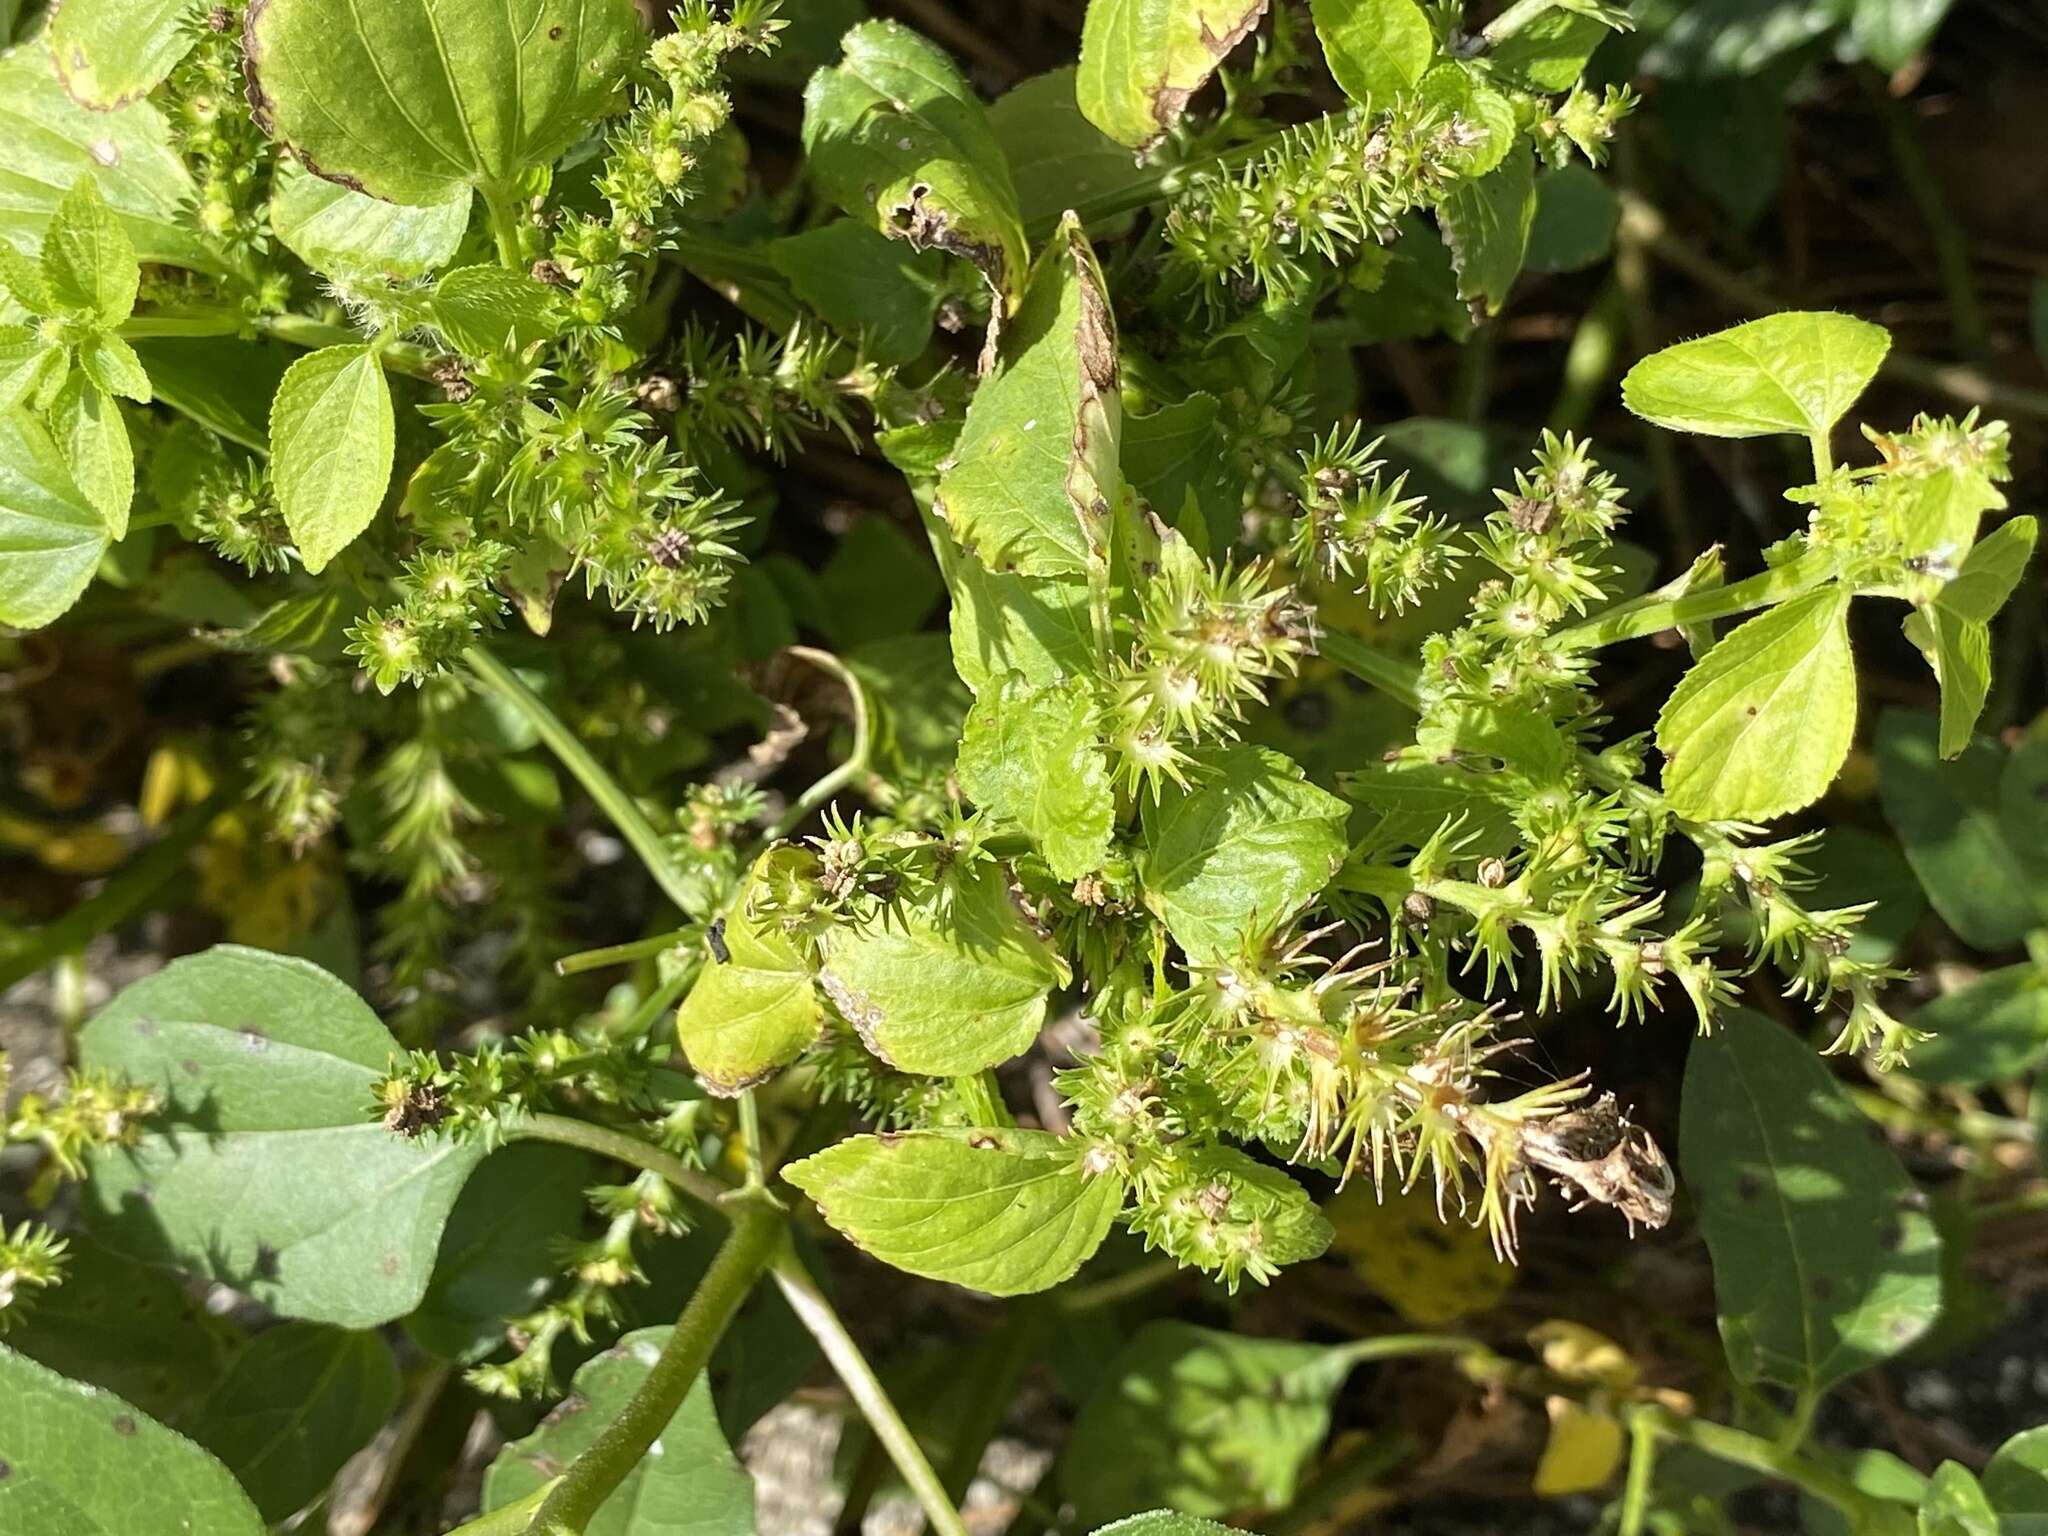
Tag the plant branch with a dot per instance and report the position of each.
(610, 796)
(1740, 1448)
(621, 1146)
(1651, 614)
(856, 760)
(592, 1477)
(1395, 678)
(618, 954)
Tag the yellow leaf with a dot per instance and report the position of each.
(1579, 1353)
(1428, 1270)
(1583, 1452)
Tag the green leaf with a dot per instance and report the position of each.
(51, 536)
(2016, 1479)
(877, 584)
(336, 229)
(1954, 1505)
(1375, 48)
(1032, 757)
(27, 363)
(299, 1400)
(917, 705)
(2023, 797)
(112, 52)
(224, 384)
(1550, 52)
(1238, 853)
(1959, 650)
(1892, 32)
(86, 426)
(896, 136)
(414, 102)
(688, 1484)
(1142, 59)
(1486, 223)
(1824, 1264)
(82, 1462)
(331, 436)
(1001, 623)
(485, 309)
(864, 284)
(1205, 1421)
(1576, 216)
(89, 264)
(945, 986)
(499, 1252)
(113, 365)
(1794, 372)
(1001, 1211)
(1034, 476)
(267, 1171)
(1762, 724)
(1165, 1522)
(53, 141)
(1989, 1030)
(752, 1013)
(1058, 159)
(1990, 571)
(1947, 816)
(1177, 459)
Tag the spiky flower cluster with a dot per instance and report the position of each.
(1355, 525)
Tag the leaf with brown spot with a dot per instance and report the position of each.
(1142, 59)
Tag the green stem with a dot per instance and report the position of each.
(1642, 1466)
(750, 1137)
(610, 796)
(512, 1519)
(817, 1315)
(1397, 1346)
(208, 322)
(618, 954)
(1740, 1448)
(1589, 361)
(1399, 680)
(856, 760)
(622, 1147)
(756, 1232)
(1651, 614)
(657, 1002)
(304, 331)
(1135, 1281)
(504, 216)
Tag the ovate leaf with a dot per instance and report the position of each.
(864, 284)
(1486, 223)
(82, 1462)
(1002, 1211)
(1166, 1522)
(28, 364)
(1000, 623)
(413, 102)
(1991, 571)
(751, 1013)
(1034, 476)
(688, 1484)
(331, 436)
(1795, 372)
(1142, 59)
(484, 309)
(1959, 650)
(1033, 757)
(1989, 1030)
(300, 1400)
(2016, 1479)
(1375, 48)
(1205, 1421)
(112, 52)
(51, 536)
(267, 1171)
(945, 986)
(897, 137)
(52, 141)
(86, 425)
(1955, 1505)
(1058, 159)
(337, 229)
(112, 364)
(1824, 1264)
(1761, 725)
(89, 264)
(1246, 846)
(1177, 460)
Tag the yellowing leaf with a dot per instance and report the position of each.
(1142, 59)
(1578, 1353)
(1583, 1451)
(1428, 1270)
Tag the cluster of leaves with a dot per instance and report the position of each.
(411, 327)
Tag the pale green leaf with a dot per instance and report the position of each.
(52, 141)
(1954, 1505)
(51, 536)
(944, 987)
(81, 1462)
(1034, 476)
(1375, 48)
(1206, 1421)
(27, 364)
(412, 102)
(1892, 32)
(897, 137)
(1002, 1211)
(299, 1400)
(86, 426)
(1240, 851)
(864, 284)
(337, 229)
(331, 435)
(1001, 623)
(268, 1170)
(1990, 571)
(1989, 1030)
(1166, 1522)
(89, 264)
(21, 280)
(1959, 650)
(688, 1484)
(113, 365)
(1033, 757)
(1486, 222)
(485, 309)
(112, 52)
(1142, 59)
(1058, 159)
(1760, 726)
(1794, 372)
(1454, 88)
(752, 1013)
(1824, 1263)
(1549, 53)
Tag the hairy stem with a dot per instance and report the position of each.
(618, 954)
(1651, 614)
(591, 1478)
(621, 1147)
(610, 796)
